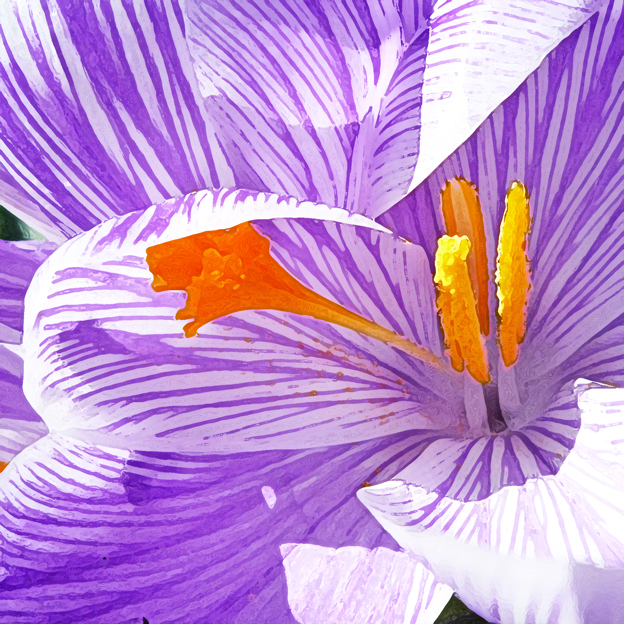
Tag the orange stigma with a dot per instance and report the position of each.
(232, 270)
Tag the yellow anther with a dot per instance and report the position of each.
(457, 306)
(462, 214)
(512, 272)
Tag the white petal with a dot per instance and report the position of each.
(354, 584)
(550, 551)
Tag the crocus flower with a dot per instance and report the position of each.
(526, 524)
(193, 456)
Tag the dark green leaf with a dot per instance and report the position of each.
(456, 612)
(13, 229)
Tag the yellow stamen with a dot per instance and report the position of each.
(512, 272)
(457, 306)
(227, 271)
(462, 214)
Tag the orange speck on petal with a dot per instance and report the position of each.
(457, 307)
(3, 465)
(461, 209)
(513, 276)
(232, 270)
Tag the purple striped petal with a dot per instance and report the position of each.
(353, 584)
(97, 535)
(325, 101)
(106, 358)
(19, 261)
(549, 551)
(107, 108)
(478, 54)
(469, 469)
(560, 134)
(20, 425)
(100, 112)
(319, 101)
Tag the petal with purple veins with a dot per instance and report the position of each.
(20, 260)
(108, 108)
(551, 548)
(353, 584)
(92, 534)
(20, 425)
(470, 469)
(325, 101)
(101, 113)
(107, 359)
(319, 101)
(561, 135)
(478, 54)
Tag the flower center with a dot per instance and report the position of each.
(232, 270)
(463, 282)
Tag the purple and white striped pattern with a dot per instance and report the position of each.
(549, 552)
(479, 52)
(470, 469)
(318, 101)
(560, 134)
(97, 535)
(106, 359)
(387, 144)
(20, 425)
(109, 107)
(20, 260)
(354, 584)
(325, 101)
(100, 112)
